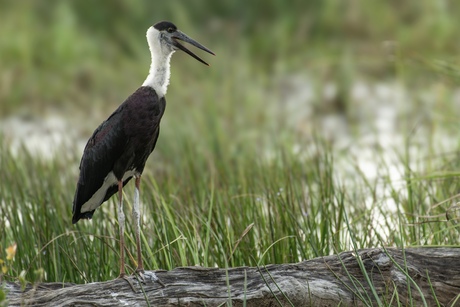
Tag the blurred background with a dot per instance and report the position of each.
(65, 65)
(315, 100)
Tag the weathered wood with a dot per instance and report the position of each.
(324, 281)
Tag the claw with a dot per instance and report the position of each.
(139, 273)
(143, 277)
(123, 276)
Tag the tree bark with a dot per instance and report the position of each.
(412, 276)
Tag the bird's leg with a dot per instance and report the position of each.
(121, 224)
(136, 217)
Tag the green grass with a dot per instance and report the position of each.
(237, 178)
(198, 210)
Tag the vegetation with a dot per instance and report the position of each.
(240, 176)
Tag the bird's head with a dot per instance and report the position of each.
(163, 37)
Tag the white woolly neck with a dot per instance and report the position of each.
(159, 72)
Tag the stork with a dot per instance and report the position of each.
(118, 149)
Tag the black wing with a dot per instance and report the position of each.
(123, 142)
(104, 147)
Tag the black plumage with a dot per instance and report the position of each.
(120, 144)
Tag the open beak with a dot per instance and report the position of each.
(178, 35)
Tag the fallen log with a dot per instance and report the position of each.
(413, 276)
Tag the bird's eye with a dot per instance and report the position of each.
(170, 30)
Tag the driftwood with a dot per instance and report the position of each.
(413, 276)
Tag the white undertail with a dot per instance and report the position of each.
(159, 72)
(96, 200)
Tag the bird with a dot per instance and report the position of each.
(119, 148)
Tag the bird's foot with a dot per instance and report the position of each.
(140, 275)
(144, 276)
(123, 276)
